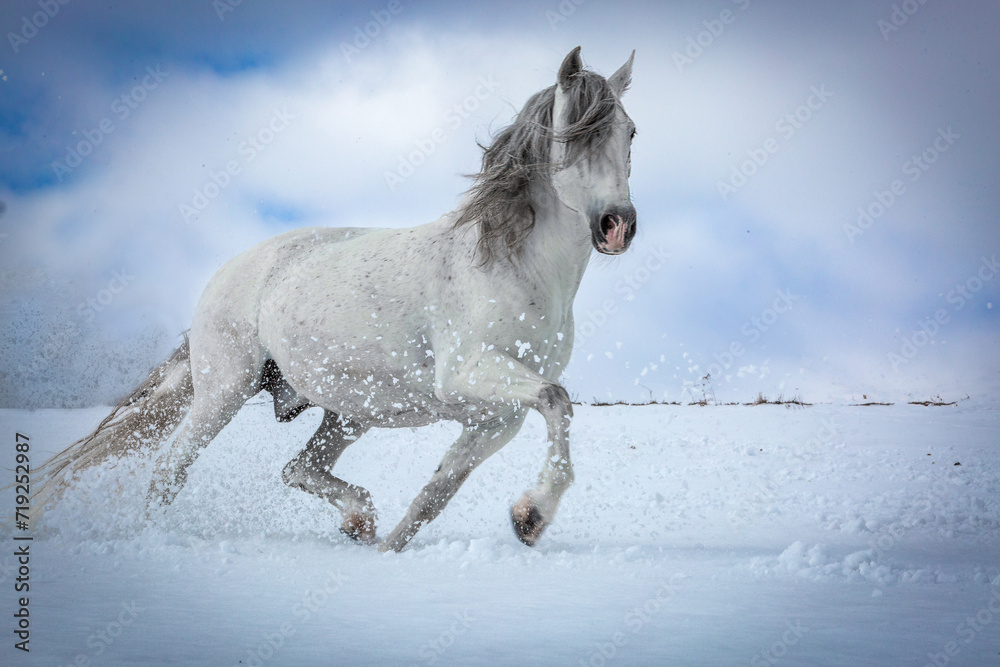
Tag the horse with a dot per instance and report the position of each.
(468, 318)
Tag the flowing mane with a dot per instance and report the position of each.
(499, 201)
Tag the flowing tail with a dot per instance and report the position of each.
(143, 420)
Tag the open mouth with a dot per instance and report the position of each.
(614, 232)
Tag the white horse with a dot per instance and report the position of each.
(468, 318)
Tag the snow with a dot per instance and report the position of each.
(717, 535)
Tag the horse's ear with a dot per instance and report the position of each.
(621, 79)
(572, 65)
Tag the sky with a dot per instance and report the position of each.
(817, 184)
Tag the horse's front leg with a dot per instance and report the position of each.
(537, 507)
(502, 379)
(476, 444)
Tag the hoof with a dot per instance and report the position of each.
(527, 520)
(359, 527)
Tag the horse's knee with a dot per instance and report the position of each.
(556, 408)
(296, 471)
(554, 398)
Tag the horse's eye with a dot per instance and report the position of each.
(632, 136)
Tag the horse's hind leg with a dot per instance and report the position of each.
(225, 363)
(310, 471)
(208, 416)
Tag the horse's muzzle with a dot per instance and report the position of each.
(612, 231)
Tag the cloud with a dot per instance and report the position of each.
(263, 121)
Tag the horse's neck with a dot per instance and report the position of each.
(558, 250)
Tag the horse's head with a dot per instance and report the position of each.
(592, 151)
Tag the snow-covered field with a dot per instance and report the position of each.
(719, 535)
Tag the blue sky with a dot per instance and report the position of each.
(763, 128)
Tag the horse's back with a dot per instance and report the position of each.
(248, 273)
(230, 304)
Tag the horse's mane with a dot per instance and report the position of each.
(518, 157)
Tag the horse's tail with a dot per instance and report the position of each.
(143, 420)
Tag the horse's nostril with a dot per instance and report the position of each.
(607, 224)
